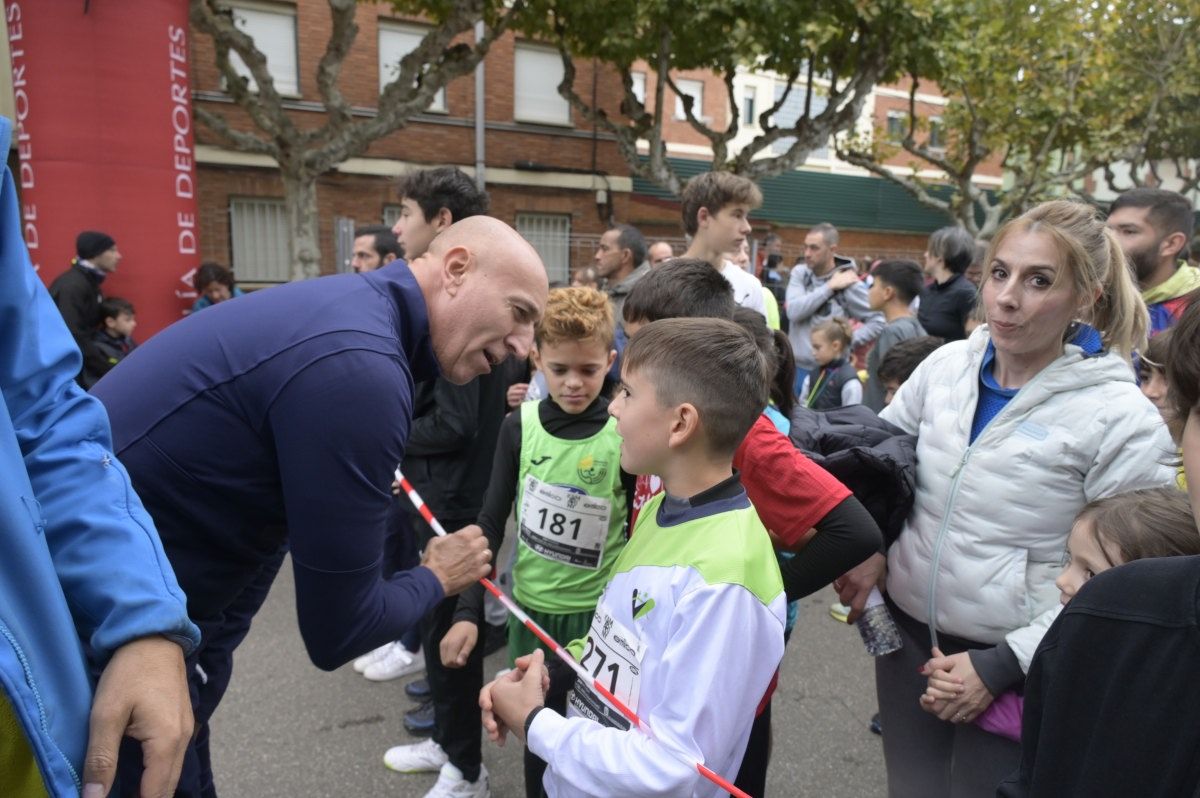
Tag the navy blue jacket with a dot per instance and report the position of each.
(279, 418)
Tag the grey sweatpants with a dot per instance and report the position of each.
(927, 757)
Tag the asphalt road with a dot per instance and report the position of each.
(288, 729)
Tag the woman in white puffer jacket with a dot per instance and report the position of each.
(1018, 427)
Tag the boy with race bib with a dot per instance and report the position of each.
(689, 629)
(558, 462)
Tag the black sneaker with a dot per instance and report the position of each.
(417, 690)
(875, 726)
(495, 637)
(420, 720)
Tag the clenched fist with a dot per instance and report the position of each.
(458, 559)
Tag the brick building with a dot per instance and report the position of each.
(876, 218)
(548, 173)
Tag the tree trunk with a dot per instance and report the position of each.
(300, 199)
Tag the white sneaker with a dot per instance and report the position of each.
(451, 784)
(423, 757)
(395, 663)
(371, 657)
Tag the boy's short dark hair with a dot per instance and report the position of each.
(903, 358)
(1183, 360)
(712, 364)
(715, 190)
(113, 306)
(680, 288)
(444, 187)
(385, 242)
(903, 275)
(212, 272)
(1170, 211)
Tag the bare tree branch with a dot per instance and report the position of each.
(341, 39)
(265, 109)
(240, 140)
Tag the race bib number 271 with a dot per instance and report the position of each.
(613, 656)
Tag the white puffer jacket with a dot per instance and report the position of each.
(986, 536)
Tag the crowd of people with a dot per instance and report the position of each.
(1003, 462)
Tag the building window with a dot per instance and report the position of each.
(273, 29)
(395, 42)
(897, 126)
(749, 109)
(937, 133)
(391, 214)
(639, 86)
(538, 71)
(693, 89)
(259, 234)
(790, 112)
(550, 235)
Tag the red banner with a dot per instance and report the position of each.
(103, 129)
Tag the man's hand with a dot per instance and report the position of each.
(855, 585)
(458, 644)
(459, 559)
(842, 279)
(142, 693)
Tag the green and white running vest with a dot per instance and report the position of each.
(571, 514)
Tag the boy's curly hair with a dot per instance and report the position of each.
(576, 314)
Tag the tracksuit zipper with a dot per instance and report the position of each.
(37, 697)
(956, 476)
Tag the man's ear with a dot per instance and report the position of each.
(456, 263)
(702, 217)
(1172, 244)
(443, 219)
(684, 425)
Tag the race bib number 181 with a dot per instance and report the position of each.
(564, 525)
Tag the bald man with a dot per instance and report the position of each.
(659, 253)
(276, 424)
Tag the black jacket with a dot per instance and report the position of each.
(111, 351)
(453, 439)
(76, 292)
(876, 460)
(1111, 704)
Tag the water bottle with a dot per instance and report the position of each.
(879, 632)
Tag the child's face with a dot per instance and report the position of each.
(413, 230)
(121, 325)
(877, 294)
(824, 350)
(643, 424)
(727, 228)
(217, 292)
(1154, 388)
(1085, 559)
(574, 371)
(889, 391)
(632, 327)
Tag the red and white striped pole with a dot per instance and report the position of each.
(562, 653)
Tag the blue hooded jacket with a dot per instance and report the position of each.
(82, 571)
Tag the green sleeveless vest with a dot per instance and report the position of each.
(570, 516)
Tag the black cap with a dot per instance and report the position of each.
(90, 243)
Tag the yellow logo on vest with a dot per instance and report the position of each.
(591, 470)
